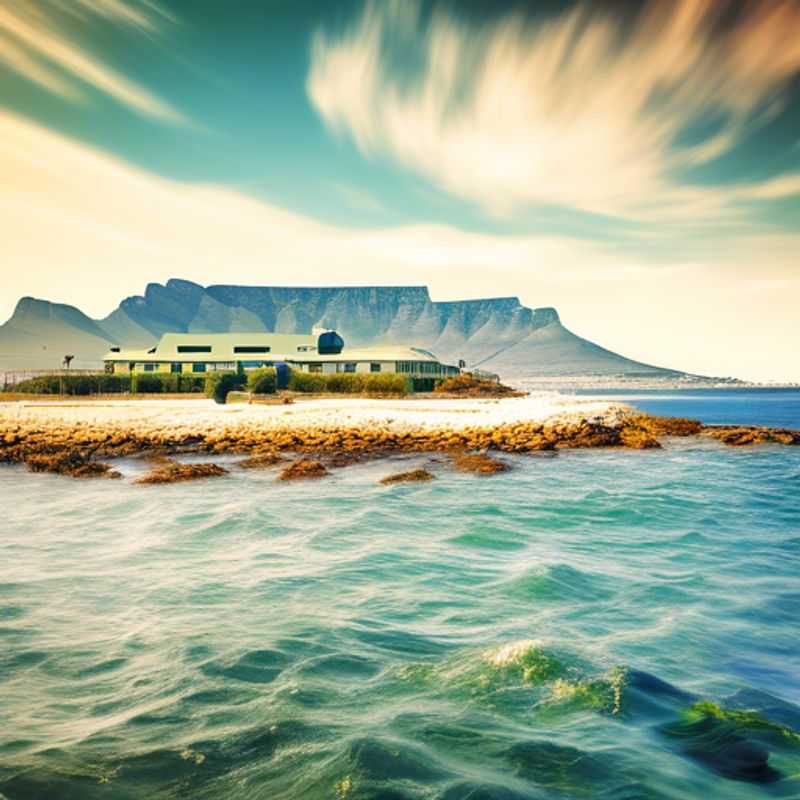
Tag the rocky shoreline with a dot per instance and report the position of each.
(84, 449)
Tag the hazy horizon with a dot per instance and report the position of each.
(634, 165)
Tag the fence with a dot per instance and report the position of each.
(13, 377)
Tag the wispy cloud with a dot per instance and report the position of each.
(33, 45)
(572, 111)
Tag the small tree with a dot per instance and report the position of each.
(218, 384)
(262, 381)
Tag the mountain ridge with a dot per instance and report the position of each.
(495, 333)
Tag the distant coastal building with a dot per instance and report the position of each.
(201, 353)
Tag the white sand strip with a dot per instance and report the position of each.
(344, 412)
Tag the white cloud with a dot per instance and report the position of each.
(90, 242)
(563, 112)
(32, 46)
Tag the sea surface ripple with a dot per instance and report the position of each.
(609, 624)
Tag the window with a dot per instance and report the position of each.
(306, 348)
(150, 367)
(242, 348)
(198, 366)
(350, 367)
(176, 367)
(315, 367)
(195, 348)
(375, 367)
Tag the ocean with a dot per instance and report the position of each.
(604, 624)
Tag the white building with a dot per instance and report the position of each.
(200, 353)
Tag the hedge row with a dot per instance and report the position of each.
(350, 383)
(107, 383)
(216, 384)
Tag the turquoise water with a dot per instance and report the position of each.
(543, 633)
(778, 408)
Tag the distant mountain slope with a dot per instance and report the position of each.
(498, 334)
(554, 350)
(40, 334)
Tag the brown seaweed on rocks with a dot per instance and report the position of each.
(741, 436)
(303, 468)
(479, 463)
(80, 448)
(169, 471)
(260, 461)
(72, 462)
(665, 426)
(412, 476)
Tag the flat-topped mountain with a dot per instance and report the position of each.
(498, 334)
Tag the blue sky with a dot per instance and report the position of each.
(627, 161)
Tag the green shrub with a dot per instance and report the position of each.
(218, 384)
(306, 381)
(101, 383)
(350, 383)
(148, 383)
(165, 383)
(43, 384)
(345, 383)
(111, 383)
(210, 383)
(386, 383)
(191, 383)
(263, 381)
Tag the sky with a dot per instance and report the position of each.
(634, 164)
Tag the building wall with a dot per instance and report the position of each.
(412, 368)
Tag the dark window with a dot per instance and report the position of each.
(198, 366)
(349, 367)
(315, 367)
(194, 348)
(250, 349)
(149, 367)
(176, 367)
(374, 367)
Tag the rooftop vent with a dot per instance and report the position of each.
(329, 343)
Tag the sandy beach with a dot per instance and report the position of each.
(397, 415)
